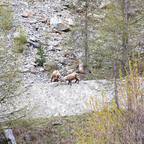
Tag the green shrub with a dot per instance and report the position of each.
(6, 17)
(20, 41)
(19, 48)
(40, 61)
(21, 38)
(110, 124)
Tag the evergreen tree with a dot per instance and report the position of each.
(80, 37)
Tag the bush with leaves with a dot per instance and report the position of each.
(40, 61)
(110, 124)
(20, 41)
(6, 17)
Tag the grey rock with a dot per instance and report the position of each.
(9, 135)
(68, 120)
(28, 66)
(51, 48)
(27, 137)
(41, 69)
(75, 2)
(53, 43)
(27, 13)
(36, 27)
(57, 123)
(35, 44)
(32, 38)
(60, 24)
(85, 82)
(33, 63)
(55, 20)
(63, 27)
(33, 21)
(62, 60)
(69, 21)
(28, 85)
(44, 20)
(59, 48)
(56, 9)
(25, 70)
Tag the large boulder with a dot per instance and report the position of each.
(26, 13)
(9, 135)
(60, 99)
(61, 24)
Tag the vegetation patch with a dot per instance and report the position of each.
(20, 41)
(41, 60)
(123, 120)
(6, 17)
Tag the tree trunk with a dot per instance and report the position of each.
(126, 37)
(115, 85)
(86, 33)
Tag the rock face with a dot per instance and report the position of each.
(60, 99)
(47, 23)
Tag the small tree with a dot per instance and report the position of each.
(40, 61)
(80, 37)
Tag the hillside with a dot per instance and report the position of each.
(102, 41)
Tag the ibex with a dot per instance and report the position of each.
(70, 77)
(55, 76)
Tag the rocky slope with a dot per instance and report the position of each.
(58, 99)
(48, 22)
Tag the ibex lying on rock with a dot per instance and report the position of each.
(70, 77)
(55, 76)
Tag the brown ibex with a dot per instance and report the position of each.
(70, 77)
(55, 76)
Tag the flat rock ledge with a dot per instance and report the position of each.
(60, 99)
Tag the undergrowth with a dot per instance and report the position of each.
(20, 41)
(117, 125)
(6, 17)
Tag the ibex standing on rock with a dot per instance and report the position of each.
(70, 77)
(55, 76)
